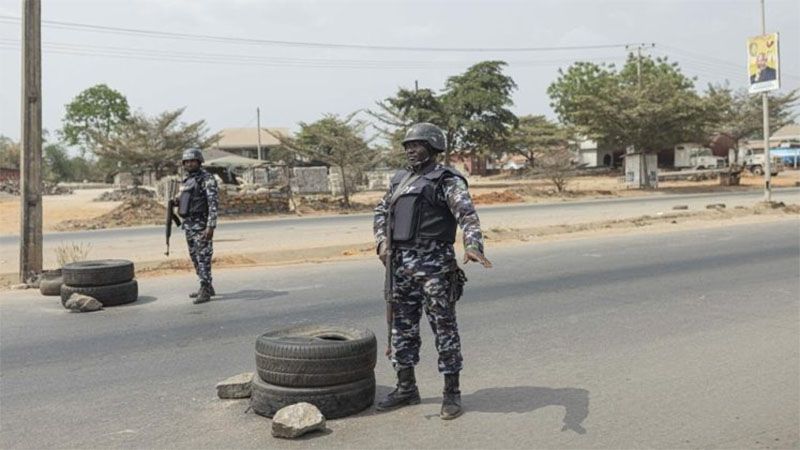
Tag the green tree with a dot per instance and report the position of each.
(472, 110)
(9, 152)
(152, 143)
(739, 114)
(338, 142)
(57, 163)
(536, 134)
(651, 111)
(94, 114)
(477, 104)
(396, 114)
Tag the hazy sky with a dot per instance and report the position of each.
(224, 81)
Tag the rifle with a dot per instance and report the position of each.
(169, 191)
(388, 285)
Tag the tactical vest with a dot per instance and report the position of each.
(417, 215)
(192, 201)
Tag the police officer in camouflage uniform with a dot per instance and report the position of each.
(425, 203)
(197, 204)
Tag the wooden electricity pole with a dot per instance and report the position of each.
(30, 252)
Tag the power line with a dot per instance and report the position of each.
(254, 41)
(234, 59)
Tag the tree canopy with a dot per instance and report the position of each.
(535, 135)
(94, 114)
(338, 142)
(651, 111)
(152, 143)
(472, 110)
(9, 153)
(478, 104)
(739, 114)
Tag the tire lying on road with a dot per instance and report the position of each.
(307, 356)
(109, 295)
(101, 272)
(333, 401)
(51, 286)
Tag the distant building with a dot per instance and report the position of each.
(589, 154)
(245, 141)
(9, 174)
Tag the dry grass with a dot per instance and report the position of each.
(72, 252)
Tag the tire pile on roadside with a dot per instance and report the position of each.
(331, 367)
(109, 281)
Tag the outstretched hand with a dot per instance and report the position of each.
(476, 256)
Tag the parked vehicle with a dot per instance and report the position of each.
(753, 160)
(789, 155)
(694, 156)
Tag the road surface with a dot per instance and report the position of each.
(672, 340)
(287, 234)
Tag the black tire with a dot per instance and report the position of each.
(315, 355)
(51, 286)
(111, 295)
(101, 272)
(334, 402)
(757, 170)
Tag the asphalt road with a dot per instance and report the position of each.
(281, 234)
(682, 339)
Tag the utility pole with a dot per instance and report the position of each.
(30, 251)
(258, 129)
(765, 107)
(639, 48)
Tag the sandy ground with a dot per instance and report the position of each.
(80, 204)
(497, 235)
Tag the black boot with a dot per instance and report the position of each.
(405, 394)
(197, 292)
(203, 295)
(451, 403)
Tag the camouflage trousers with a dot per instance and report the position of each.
(200, 250)
(421, 282)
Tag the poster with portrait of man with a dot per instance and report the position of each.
(763, 65)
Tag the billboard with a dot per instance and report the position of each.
(763, 65)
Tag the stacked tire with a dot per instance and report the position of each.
(109, 281)
(331, 367)
(50, 283)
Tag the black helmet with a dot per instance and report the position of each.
(192, 153)
(429, 133)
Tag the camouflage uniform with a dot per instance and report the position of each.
(201, 250)
(423, 280)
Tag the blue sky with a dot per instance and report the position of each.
(224, 82)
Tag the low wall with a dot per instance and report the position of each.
(268, 202)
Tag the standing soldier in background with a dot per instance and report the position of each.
(197, 205)
(420, 212)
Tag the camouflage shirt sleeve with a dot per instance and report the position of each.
(455, 194)
(212, 196)
(381, 215)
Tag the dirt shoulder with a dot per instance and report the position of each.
(716, 217)
(80, 211)
(495, 236)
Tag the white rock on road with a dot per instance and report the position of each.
(237, 386)
(296, 420)
(82, 303)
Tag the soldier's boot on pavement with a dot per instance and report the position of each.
(451, 402)
(197, 292)
(405, 394)
(203, 295)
